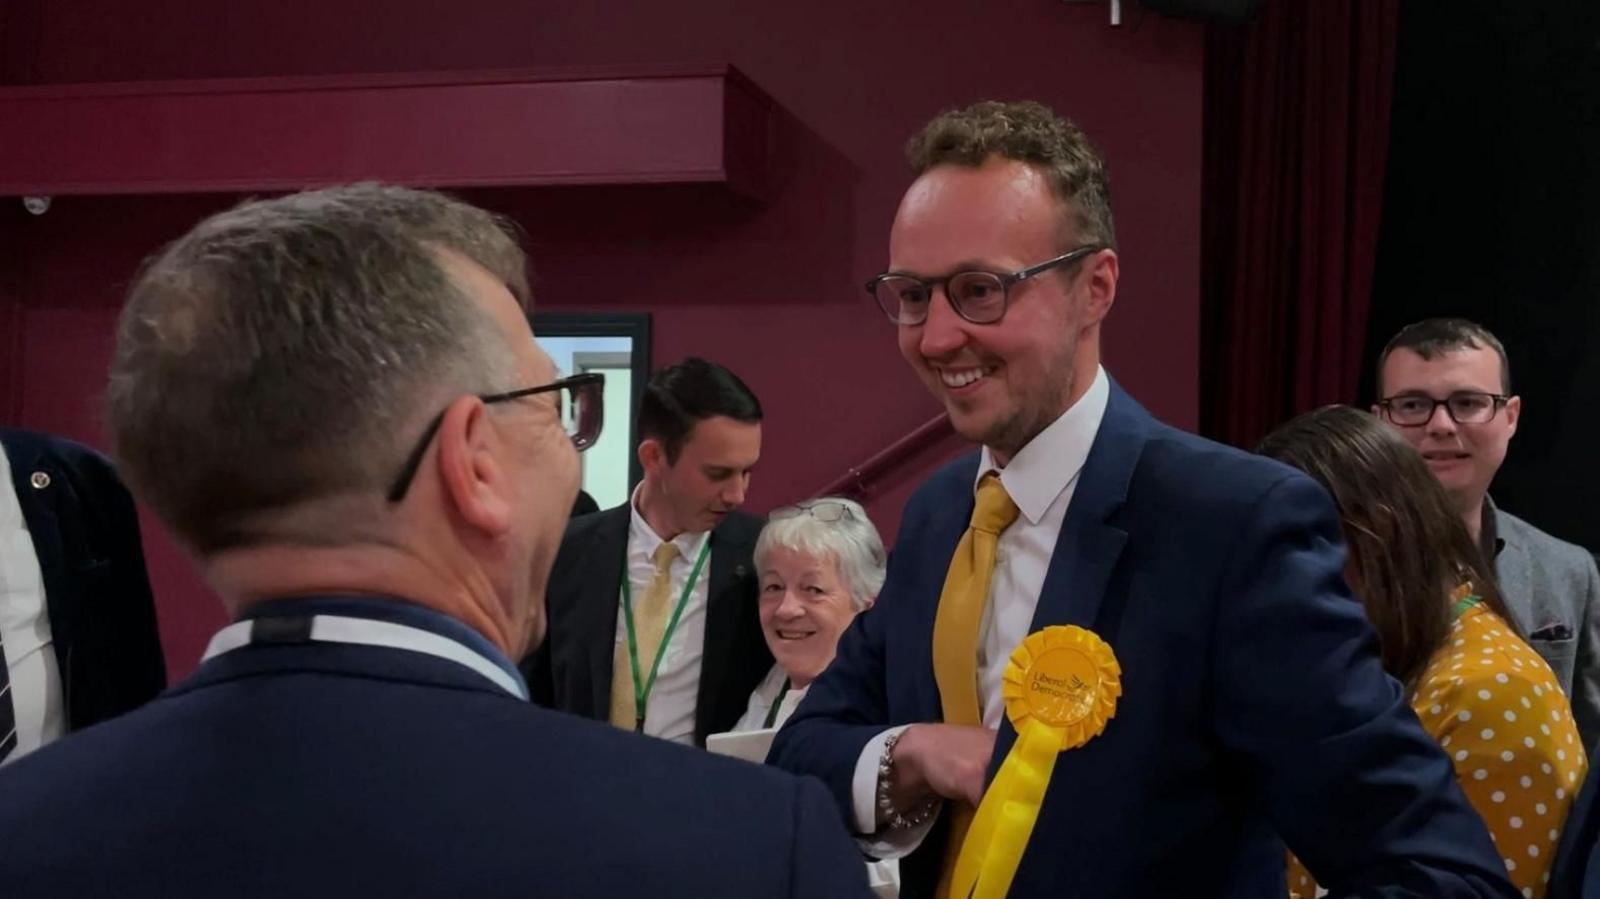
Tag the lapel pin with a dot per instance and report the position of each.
(40, 480)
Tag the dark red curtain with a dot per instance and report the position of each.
(1296, 134)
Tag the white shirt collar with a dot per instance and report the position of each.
(643, 537)
(1049, 462)
(375, 632)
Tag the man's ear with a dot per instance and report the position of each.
(1513, 412)
(1102, 285)
(652, 456)
(471, 478)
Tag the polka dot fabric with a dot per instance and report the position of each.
(1496, 709)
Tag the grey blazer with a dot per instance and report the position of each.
(1551, 588)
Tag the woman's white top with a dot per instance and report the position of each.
(770, 690)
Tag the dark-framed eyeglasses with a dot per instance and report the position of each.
(979, 297)
(581, 405)
(1465, 407)
(824, 510)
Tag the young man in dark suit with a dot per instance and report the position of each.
(1131, 649)
(335, 401)
(77, 621)
(653, 608)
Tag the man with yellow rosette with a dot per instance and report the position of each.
(1111, 659)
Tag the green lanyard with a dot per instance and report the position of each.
(772, 713)
(1463, 604)
(641, 687)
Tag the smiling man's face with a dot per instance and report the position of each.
(1464, 457)
(1002, 382)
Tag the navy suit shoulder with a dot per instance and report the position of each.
(335, 771)
(1179, 469)
(583, 525)
(85, 533)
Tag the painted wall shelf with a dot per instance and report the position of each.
(526, 128)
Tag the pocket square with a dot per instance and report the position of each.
(1552, 632)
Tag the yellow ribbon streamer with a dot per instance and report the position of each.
(1060, 688)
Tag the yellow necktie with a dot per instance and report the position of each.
(650, 612)
(955, 635)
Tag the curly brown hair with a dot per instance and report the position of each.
(1029, 132)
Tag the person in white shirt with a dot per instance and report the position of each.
(1109, 658)
(820, 563)
(653, 620)
(78, 635)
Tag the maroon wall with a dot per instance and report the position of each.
(771, 290)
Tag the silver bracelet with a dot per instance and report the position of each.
(891, 816)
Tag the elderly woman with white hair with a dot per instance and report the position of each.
(820, 563)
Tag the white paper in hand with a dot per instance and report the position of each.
(750, 745)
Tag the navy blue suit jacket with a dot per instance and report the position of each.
(328, 770)
(86, 538)
(1254, 703)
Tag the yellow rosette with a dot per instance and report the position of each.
(1061, 687)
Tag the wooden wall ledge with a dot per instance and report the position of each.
(478, 129)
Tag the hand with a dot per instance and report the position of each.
(942, 760)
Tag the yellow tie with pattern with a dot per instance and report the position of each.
(650, 613)
(955, 634)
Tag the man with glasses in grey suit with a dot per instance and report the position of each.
(1445, 384)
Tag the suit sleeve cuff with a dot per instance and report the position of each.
(886, 844)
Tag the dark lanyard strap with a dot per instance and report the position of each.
(772, 713)
(641, 687)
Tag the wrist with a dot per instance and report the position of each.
(901, 803)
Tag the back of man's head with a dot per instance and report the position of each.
(1025, 131)
(1433, 337)
(681, 396)
(286, 352)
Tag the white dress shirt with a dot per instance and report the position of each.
(669, 713)
(1041, 480)
(25, 639)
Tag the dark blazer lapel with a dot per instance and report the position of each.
(1513, 570)
(1090, 545)
(40, 503)
(594, 617)
(732, 542)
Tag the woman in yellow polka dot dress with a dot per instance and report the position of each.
(1484, 694)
